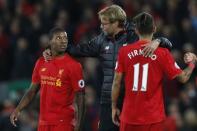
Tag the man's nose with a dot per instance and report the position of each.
(64, 40)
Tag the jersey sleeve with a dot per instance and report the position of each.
(169, 65)
(119, 63)
(76, 77)
(35, 74)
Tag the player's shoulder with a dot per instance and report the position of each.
(40, 60)
(161, 50)
(130, 45)
(162, 53)
(122, 49)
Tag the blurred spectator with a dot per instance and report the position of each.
(22, 66)
(193, 13)
(187, 32)
(4, 54)
(43, 44)
(190, 118)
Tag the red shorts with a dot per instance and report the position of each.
(150, 127)
(59, 127)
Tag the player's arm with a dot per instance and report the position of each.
(26, 99)
(80, 103)
(78, 85)
(164, 42)
(158, 42)
(115, 94)
(90, 49)
(184, 76)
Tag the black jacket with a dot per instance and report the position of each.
(106, 49)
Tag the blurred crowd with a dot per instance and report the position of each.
(24, 27)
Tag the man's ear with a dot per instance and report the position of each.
(136, 31)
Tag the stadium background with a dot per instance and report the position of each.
(24, 25)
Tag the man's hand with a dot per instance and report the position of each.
(47, 55)
(150, 48)
(115, 116)
(190, 57)
(14, 117)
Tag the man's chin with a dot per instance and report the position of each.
(106, 33)
(61, 51)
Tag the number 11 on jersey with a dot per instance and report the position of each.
(136, 77)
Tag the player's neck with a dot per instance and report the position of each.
(146, 37)
(56, 54)
(118, 30)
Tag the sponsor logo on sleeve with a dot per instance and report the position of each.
(107, 48)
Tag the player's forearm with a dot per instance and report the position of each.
(186, 73)
(164, 42)
(80, 102)
(27, 98)
(116, 89)
(115, 95)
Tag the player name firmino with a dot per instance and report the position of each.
(134, 53)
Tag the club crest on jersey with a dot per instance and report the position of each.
(81, 83)
(58, 83)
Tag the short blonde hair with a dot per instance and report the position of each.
(113, 13)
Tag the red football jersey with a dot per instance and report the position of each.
(143, 102)
(59, 80)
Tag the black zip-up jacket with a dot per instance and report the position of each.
(106, 49)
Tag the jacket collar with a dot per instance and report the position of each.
(117, 36)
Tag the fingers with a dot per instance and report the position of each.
(13, 120)
(47, 55)
(116, 121)
(148, 51)
(115, 116)
(149, 48)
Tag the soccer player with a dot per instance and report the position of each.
(60, 83)
(143, 108)
(116, 32)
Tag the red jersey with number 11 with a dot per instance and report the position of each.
(143, 102)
